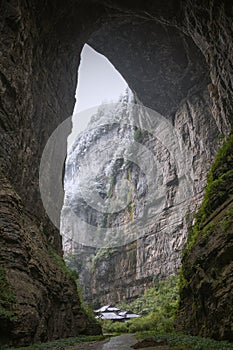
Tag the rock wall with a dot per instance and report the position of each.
(206, 276)
(40, 47)
(207, 281)
(208, 265)
(35, 96)
(126, 271)
(44, 303)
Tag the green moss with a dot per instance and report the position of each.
(227, 221)
(182, 280)
(219, 182)
(217, 192)
(181, 341)
(208, 228)
(129, 174)
(60, 343)
(131, 210)
(7, 298)
(219, 189)
(61, 263)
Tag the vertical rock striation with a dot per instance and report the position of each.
(185, 48)
(126, 271)
(34, 98)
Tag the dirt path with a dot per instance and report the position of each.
(121, 342)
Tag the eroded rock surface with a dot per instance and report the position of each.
(40, 47)
(207, 271)
(100, 155)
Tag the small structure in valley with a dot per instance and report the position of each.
(113, 313)
(128, 315)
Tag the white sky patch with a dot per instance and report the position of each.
(98, 82)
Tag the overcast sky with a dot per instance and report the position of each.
(98, 81)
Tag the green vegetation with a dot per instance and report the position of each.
(186, 342)
(110, 327)
(174, 341)
(6, 297)
(131, 210)
(58, 344)
(102, 254)
(223, 224)
(183, 282)
(156, 299)
(73, 274)
(219, 189)
(227, 221)
(61, 263)
(158, 307)
(140, 135)
(86, 308)
(74, 263)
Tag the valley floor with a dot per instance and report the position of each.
(150, 342)
(121, 342)
(144, 340)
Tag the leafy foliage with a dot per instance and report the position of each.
(161, 298)
(109, 326)
(158, 307)
(186, 342)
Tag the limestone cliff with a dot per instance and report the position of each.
(206, 276)
(39, 57)
(118, 270)
(39, 300)
(36, 287)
